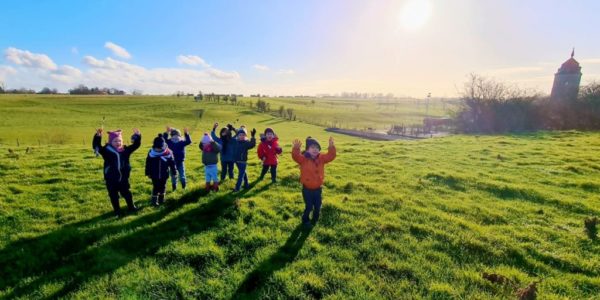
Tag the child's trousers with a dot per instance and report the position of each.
(241, 175)
(312, 202)
(273, 168)
(226, 169)
(116, 188)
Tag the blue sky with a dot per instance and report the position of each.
(294, 47)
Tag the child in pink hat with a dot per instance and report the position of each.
(116, 165)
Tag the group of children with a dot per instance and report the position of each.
(167, 155)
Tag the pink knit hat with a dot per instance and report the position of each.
(113, 134)
(206, 139)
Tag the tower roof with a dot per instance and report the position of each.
(571, 65)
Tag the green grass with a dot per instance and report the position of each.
(359, 114)
(401, 220)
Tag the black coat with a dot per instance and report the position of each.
(116, 164)
(158, 168)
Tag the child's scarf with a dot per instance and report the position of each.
(207, 147)
(163, 154)
(120, 149)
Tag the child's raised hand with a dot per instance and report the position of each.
(215, 125)
(253, 132)
(136, 131)
(186, 130)
(331, 142)
(297, 143)
(168, 128)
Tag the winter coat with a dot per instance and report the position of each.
(210, 156)
(158, 167)
(178, 148)
(268, 150)
(116, 164)
(227, 153)
(240, 149)
(312, 171)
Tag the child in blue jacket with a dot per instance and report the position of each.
(177, 145)
(225, 140)
(241, 146)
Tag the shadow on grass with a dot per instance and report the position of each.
(70, 254)
(256, 279)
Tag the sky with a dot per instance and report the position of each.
(306, 47)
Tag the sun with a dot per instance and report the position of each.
(415, 14)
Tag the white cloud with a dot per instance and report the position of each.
(286, 72)
(223, 75)
(111, 72)
(66, 74)
(114, 73)
(192, 60)
(261, 67)
(28, 59)
(117, 50)
(67, 70)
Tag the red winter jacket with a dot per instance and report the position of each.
(268, 151)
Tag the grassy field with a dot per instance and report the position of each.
(401, 220)
(361, 114)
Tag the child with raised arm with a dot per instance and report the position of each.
(312, 175)
(177, 145)
(267, 151)
(116, 165)
(225, 140)
(210, 159)
(240, 155)
(159, 163)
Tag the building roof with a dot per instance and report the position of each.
(571, 66)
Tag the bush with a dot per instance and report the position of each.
(493, 107)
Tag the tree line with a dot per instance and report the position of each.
(488, 106)
(79, 90)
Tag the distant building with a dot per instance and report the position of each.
(566, 80)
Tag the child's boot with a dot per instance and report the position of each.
(215, 186)
(183, 185)
(208, 186)
(161, 198)
(154, 200)
(174, 185)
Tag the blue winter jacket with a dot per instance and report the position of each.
(178, 148)
(228, 154)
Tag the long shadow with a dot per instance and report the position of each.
(256, 279)
(32, 257)
(91, 263)
(69, 250)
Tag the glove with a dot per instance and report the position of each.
(253, 132)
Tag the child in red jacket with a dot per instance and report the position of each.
(268, 150)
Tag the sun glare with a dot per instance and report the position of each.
(415, 14)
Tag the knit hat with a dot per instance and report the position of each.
(113, 135)
(206, 139)
(312, 142)
(175, 132)
(269, 129)
(159, 142)
(242, 130)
